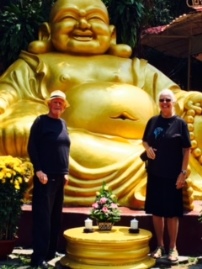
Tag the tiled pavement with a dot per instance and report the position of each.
(15, 261)
(19, 259)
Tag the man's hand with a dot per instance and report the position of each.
(42, 177)
(66, 179)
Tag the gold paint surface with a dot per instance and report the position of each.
(110, 249)
(111, 98)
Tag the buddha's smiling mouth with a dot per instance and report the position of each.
(83, 36)
(124, 116)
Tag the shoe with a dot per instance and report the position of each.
(173, 255)
(50, 257)
(42, 265)
(158, 253)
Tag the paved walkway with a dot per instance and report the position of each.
(19, 259)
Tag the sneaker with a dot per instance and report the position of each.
(173, 255)
(158, 252)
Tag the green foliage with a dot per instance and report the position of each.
(131, 16)
(127, 16)
(8, 266)
(20, 21)
(200, 217)
(19, 26)
(163, 12)
(105, 207)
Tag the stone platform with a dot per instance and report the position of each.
(189, 238)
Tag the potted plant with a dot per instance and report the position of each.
(105, 208)
(14, 177)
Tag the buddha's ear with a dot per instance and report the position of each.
(121, 50)
(44, 31)
(112, 29)
(43, 44)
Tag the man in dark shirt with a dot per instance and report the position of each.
(48, 149)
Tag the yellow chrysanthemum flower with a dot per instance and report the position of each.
(15, 171)
(19, 180)
(17, 186)
(1, 175)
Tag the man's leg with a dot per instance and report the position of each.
(41, 222)
(56, 216)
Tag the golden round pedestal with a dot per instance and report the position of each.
(113, 249)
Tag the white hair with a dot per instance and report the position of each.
(167, 92)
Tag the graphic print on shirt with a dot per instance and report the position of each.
(158, 132)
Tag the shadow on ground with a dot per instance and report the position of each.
(20, 259)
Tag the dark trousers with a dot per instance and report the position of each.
(47, 203)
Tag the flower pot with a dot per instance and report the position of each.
(105, 226)
(6, 248)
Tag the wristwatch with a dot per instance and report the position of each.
(184, 172)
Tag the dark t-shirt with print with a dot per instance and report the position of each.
(168, 136)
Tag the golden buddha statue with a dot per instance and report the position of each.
(111, 98)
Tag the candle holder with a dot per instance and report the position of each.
(134, 226)
(88, 230)
(88, 226)
(134, 231)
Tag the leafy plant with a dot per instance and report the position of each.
(19, 26)
(105, 207)
(160, 12)
(20, 20)
(14, 176)
(127, 16)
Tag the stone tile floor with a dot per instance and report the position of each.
(183, 263)
(19, 259)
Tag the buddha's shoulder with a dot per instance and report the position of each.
(55, 56)
(52, 59)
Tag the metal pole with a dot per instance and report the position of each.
(189, 66)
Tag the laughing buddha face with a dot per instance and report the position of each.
(80, 27)
(110, 108)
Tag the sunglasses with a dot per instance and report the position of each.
(165, 100)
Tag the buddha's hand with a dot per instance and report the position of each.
(14, 133)
(192, 115)
(2, 110)
(8, 96)
(4, 103)
(194, 102)
(15, 126)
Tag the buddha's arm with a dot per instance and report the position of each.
(8, 91)
(7, 96)
(17, 83)
(152, 80)
(186, 100)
